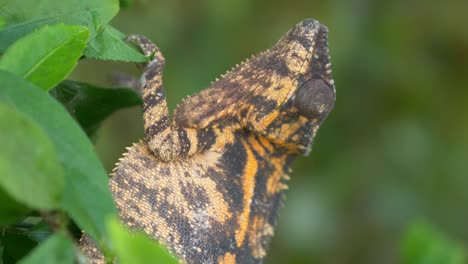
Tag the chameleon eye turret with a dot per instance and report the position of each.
(209, 184)
(315, 98)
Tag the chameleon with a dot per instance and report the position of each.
(209, 182)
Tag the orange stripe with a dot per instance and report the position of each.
(228, 258)
(267, 120)
(256, 146)
(248, 187)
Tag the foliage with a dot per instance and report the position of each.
(90, 105)
(136, 248)
(22, 135)
(50, 177)
(58, 248)
(52, 45)
(104, 42)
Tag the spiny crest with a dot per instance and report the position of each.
(239, 66)
(124, 156)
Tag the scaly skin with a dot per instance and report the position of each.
(208, 185)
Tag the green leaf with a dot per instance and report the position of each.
(22, 17)
(56, 249)
(87, 197)
(109, 44)
(29, 167)
(105, 42)
(423, 244)
(136, 247)
(46, 56)
(90, 105)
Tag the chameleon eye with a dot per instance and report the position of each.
(314, 98)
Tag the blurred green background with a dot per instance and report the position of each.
(395, 148)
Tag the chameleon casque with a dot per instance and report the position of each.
(208, 185)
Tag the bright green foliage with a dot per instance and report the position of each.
(50, 176)
(58, 249)
(22, 17)
(35, 56)
(30, 169)
(109, 44)
(136, 248)
(86, 198)
(424, 245)
(90, 105)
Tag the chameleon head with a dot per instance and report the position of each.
(304, 50)
(282, 94)
(309, 60)
(301, 84)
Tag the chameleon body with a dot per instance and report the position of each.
(208, 185)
